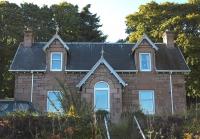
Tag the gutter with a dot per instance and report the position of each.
(27, 70)
(184, 71)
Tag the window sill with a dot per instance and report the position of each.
(56, 70)
(145, 70)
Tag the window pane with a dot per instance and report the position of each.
(147, 107)
(145, 61)
(101, 85)
(22, 107)
(56, 64)
(53, 102)
(56, 56)
(146, 95)
(101, 99)
(147, 101)
(3, 106)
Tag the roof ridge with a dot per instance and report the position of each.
(97, 42)
(89, 42)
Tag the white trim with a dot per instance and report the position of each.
(28, 70)
(61, 64)
(14, 56)
(173, 70)
(89, 70)
(171, 92)
(56, 36)
(103, 89)
(126, 70)
(140, 62)
(32, 76)
(77, 70)
(141, 39)
(100, 61)
(153, 99)
(183, 58)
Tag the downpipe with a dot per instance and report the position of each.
(32, 76)
(171, 92)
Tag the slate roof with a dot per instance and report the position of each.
(83, 56)
(32, 58)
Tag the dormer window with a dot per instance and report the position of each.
(56, 61)
(145, 61)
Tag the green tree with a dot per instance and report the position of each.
(10, 36)
(184, 20)
(39, 20)
(90, 26)
(14, 19)
(194, 1)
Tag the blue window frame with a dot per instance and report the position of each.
(147, 103)
(145, 61)
(54, 101)
(101, 96)
(56, 61)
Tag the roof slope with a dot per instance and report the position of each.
(170, 58)
(83, 56)
(33, 58)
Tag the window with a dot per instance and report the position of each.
(54, 101)
(147, 104)
(20, 106)
(56, 61)
(101, 96)
(145, 61)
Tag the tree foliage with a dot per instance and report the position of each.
(194, 1)
(14, 19)
(184, 20)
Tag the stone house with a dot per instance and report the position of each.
(116, 77)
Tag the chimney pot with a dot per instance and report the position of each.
(28, 38)
(168, 38)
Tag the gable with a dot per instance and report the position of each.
(55, 37)
(144, 40)
(99, 62)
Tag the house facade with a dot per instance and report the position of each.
(116, 77)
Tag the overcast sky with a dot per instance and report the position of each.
(112, 12)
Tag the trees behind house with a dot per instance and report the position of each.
(184, 20)
(74, 25)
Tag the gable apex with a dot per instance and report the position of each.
(99, 62)
(144, 37)
(56, 36)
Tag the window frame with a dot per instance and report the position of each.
(102, 89)
(61, 60)
(153, 101)
(48, 100)
(140, 62)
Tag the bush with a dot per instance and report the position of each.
(29, 126)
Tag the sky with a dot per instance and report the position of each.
(112, 13)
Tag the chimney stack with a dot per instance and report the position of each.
(28, 38)
(168, 38)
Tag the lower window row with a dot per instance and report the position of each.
(102, 100)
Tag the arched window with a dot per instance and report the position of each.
(101, 96)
